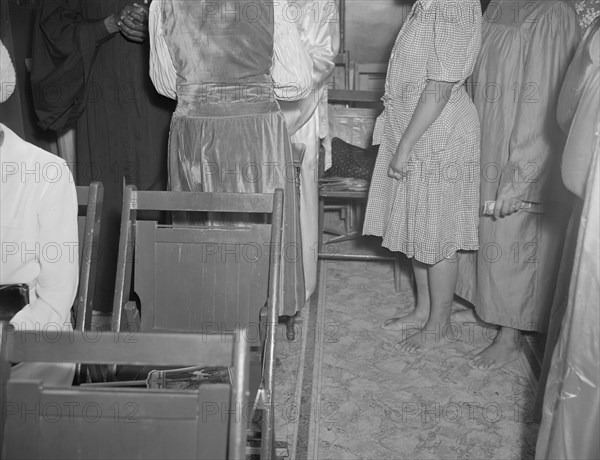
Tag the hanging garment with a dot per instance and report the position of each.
(571, 404)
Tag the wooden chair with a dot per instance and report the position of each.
(84, 422)
(370, 76)
(340, 78)
(351, 201)
(205, 278)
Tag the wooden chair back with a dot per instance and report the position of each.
(89, 199)
(370, 76)
(85, 422)
(198, 278)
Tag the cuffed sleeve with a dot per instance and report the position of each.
(162, 70)
(292, 65)
(320, 34)
(100, 32)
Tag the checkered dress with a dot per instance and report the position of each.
(434, 211)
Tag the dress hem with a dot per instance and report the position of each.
(426, 257)
(498, 320)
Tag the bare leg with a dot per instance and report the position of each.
(418, 317)
(507, 347)
(442, 282)
(465, 316)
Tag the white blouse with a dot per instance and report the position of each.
(38, 232)
(291, 69)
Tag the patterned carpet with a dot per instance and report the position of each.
(356, 397)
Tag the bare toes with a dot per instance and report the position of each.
(475, 362)
(487, 364)
(390, 323)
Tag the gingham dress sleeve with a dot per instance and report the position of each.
(456, 33)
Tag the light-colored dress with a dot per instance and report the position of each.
(433, 213)
(228, 133)
(526, 50)
(319, 32)
(571, 406)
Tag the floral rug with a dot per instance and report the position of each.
(366, 400)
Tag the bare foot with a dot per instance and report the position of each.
(465, 316)
(506, 348)
(410, 344)
(414, 320)
(432, 335)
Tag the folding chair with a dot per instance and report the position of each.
(79, 422)
(205, 278)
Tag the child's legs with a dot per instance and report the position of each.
(422, 282)
(441, 279)
(442, 283)
(420, 314)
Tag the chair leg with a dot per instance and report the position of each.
(348, 218)
(263, 318)
(290, 323)
(321, 224)
(290, 329)
(397, 270)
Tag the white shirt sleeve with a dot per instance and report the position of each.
(292, 65)
(162, 70)
(8, 78)
(56, 285)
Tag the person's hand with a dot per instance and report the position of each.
(133, 22)
(506, 204)
(110, 23)
(399, 164)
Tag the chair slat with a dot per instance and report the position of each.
(202, 201)
(82, 194)
(254, 235)
(119, 348)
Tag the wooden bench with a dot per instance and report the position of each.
(40, 421)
